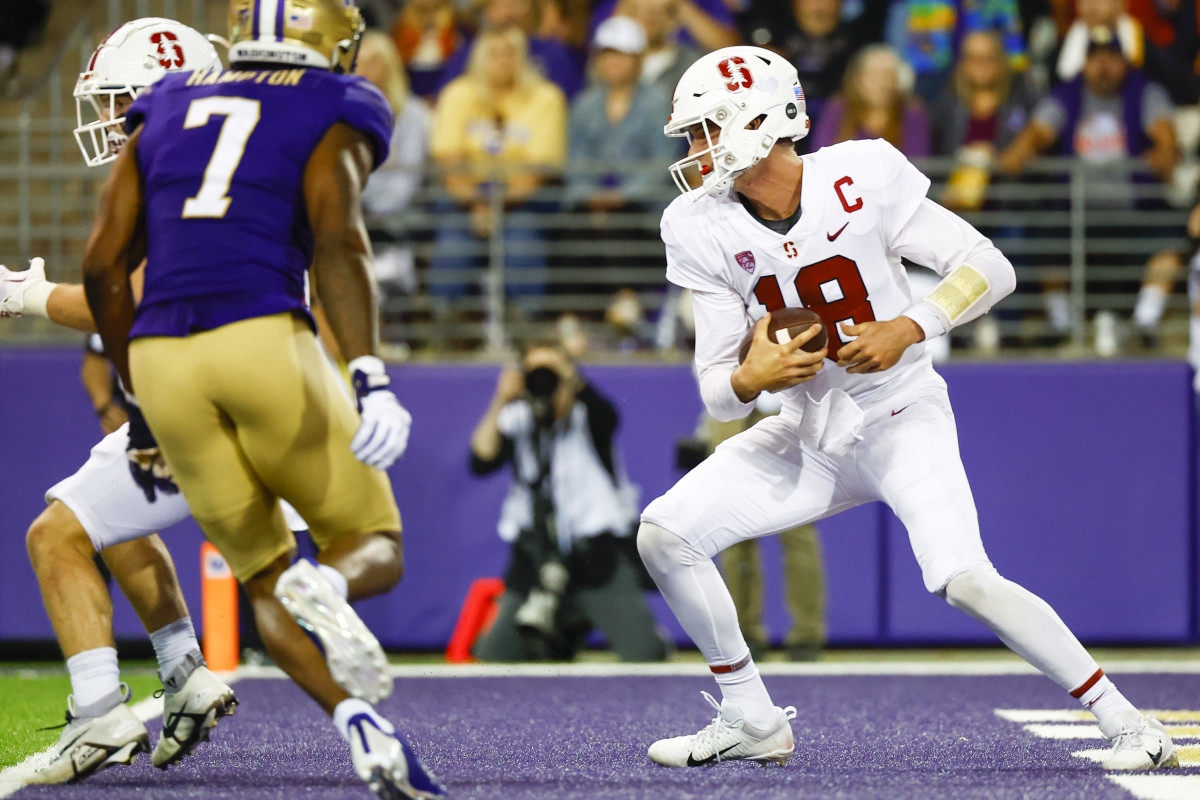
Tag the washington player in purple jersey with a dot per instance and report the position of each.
(233, 186)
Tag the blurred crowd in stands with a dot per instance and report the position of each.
(531, 130)
(528, 107)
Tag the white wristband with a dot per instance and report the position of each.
(36, 297)
(368, 365)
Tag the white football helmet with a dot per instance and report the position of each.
(730, 88)
(133, 56)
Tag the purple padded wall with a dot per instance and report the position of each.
(1082, 474)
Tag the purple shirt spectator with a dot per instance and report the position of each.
(914, 139)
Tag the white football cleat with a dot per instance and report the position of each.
(1145, 745)
(389, 766)
(355, 658)
(193, 700)
(91, 744)
(729, 738)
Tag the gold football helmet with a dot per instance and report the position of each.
(299, 33)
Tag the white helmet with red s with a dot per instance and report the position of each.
(730, 89)
(133, 56)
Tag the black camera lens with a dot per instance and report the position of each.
(541, 381)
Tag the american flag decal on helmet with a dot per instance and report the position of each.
(799, 93)
(745, 260)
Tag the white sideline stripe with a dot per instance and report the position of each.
(696, 668)
(1159, 787)
(1186, 760)
(19, 775)
(1065, 731)
(1023, 716)
(1092, 731)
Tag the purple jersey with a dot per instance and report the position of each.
(222, 157)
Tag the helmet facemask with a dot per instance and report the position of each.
(99, 125)
(725, 160)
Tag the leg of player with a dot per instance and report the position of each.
(101, 730)
(748, 725)
(1032, 629)
(936, 506)
(380, 754)
(194, 698)
(62, 554)
(351, 567)
(371, 563)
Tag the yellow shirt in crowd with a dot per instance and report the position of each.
(524, 126)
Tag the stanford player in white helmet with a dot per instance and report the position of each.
(759, 228)
(103, 508)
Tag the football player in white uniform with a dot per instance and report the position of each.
(103, 508)
(867, 418)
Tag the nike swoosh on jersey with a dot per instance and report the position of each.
(691, 762)
(832, 236)
(894, 413)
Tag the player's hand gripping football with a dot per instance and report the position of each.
(16, 285)
(771, 367)
(383, 435)
(879, 345)
(146, 463)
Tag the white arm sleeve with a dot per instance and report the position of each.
(943, 241)
(721, 324)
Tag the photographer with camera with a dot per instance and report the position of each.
(570, 514)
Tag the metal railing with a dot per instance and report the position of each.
(452, 287)
(544, 265)
(1063, 225)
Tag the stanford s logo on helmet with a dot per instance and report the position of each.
(133, 56)
(297, 33)
(170, 56)
(744, 79)
(728, 90)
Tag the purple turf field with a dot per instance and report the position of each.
(521, 738)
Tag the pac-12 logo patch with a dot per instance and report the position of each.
(745, 260)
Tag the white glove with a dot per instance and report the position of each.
(383, 435)
(26, 291)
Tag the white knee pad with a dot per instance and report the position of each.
(662, 551)
(974, 591)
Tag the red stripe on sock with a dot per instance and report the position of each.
(721, 669)
(1089, 683)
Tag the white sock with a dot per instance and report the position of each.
(1058, 309)
(95, 676)
(1024, 622)
(345, 711)
(1100, 696)
(1151, 302)
(172, 643)
(700, 600)
(336, 578)
(744, 688)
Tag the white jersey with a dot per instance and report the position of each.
(863, 206)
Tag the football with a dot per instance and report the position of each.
(785, 325)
